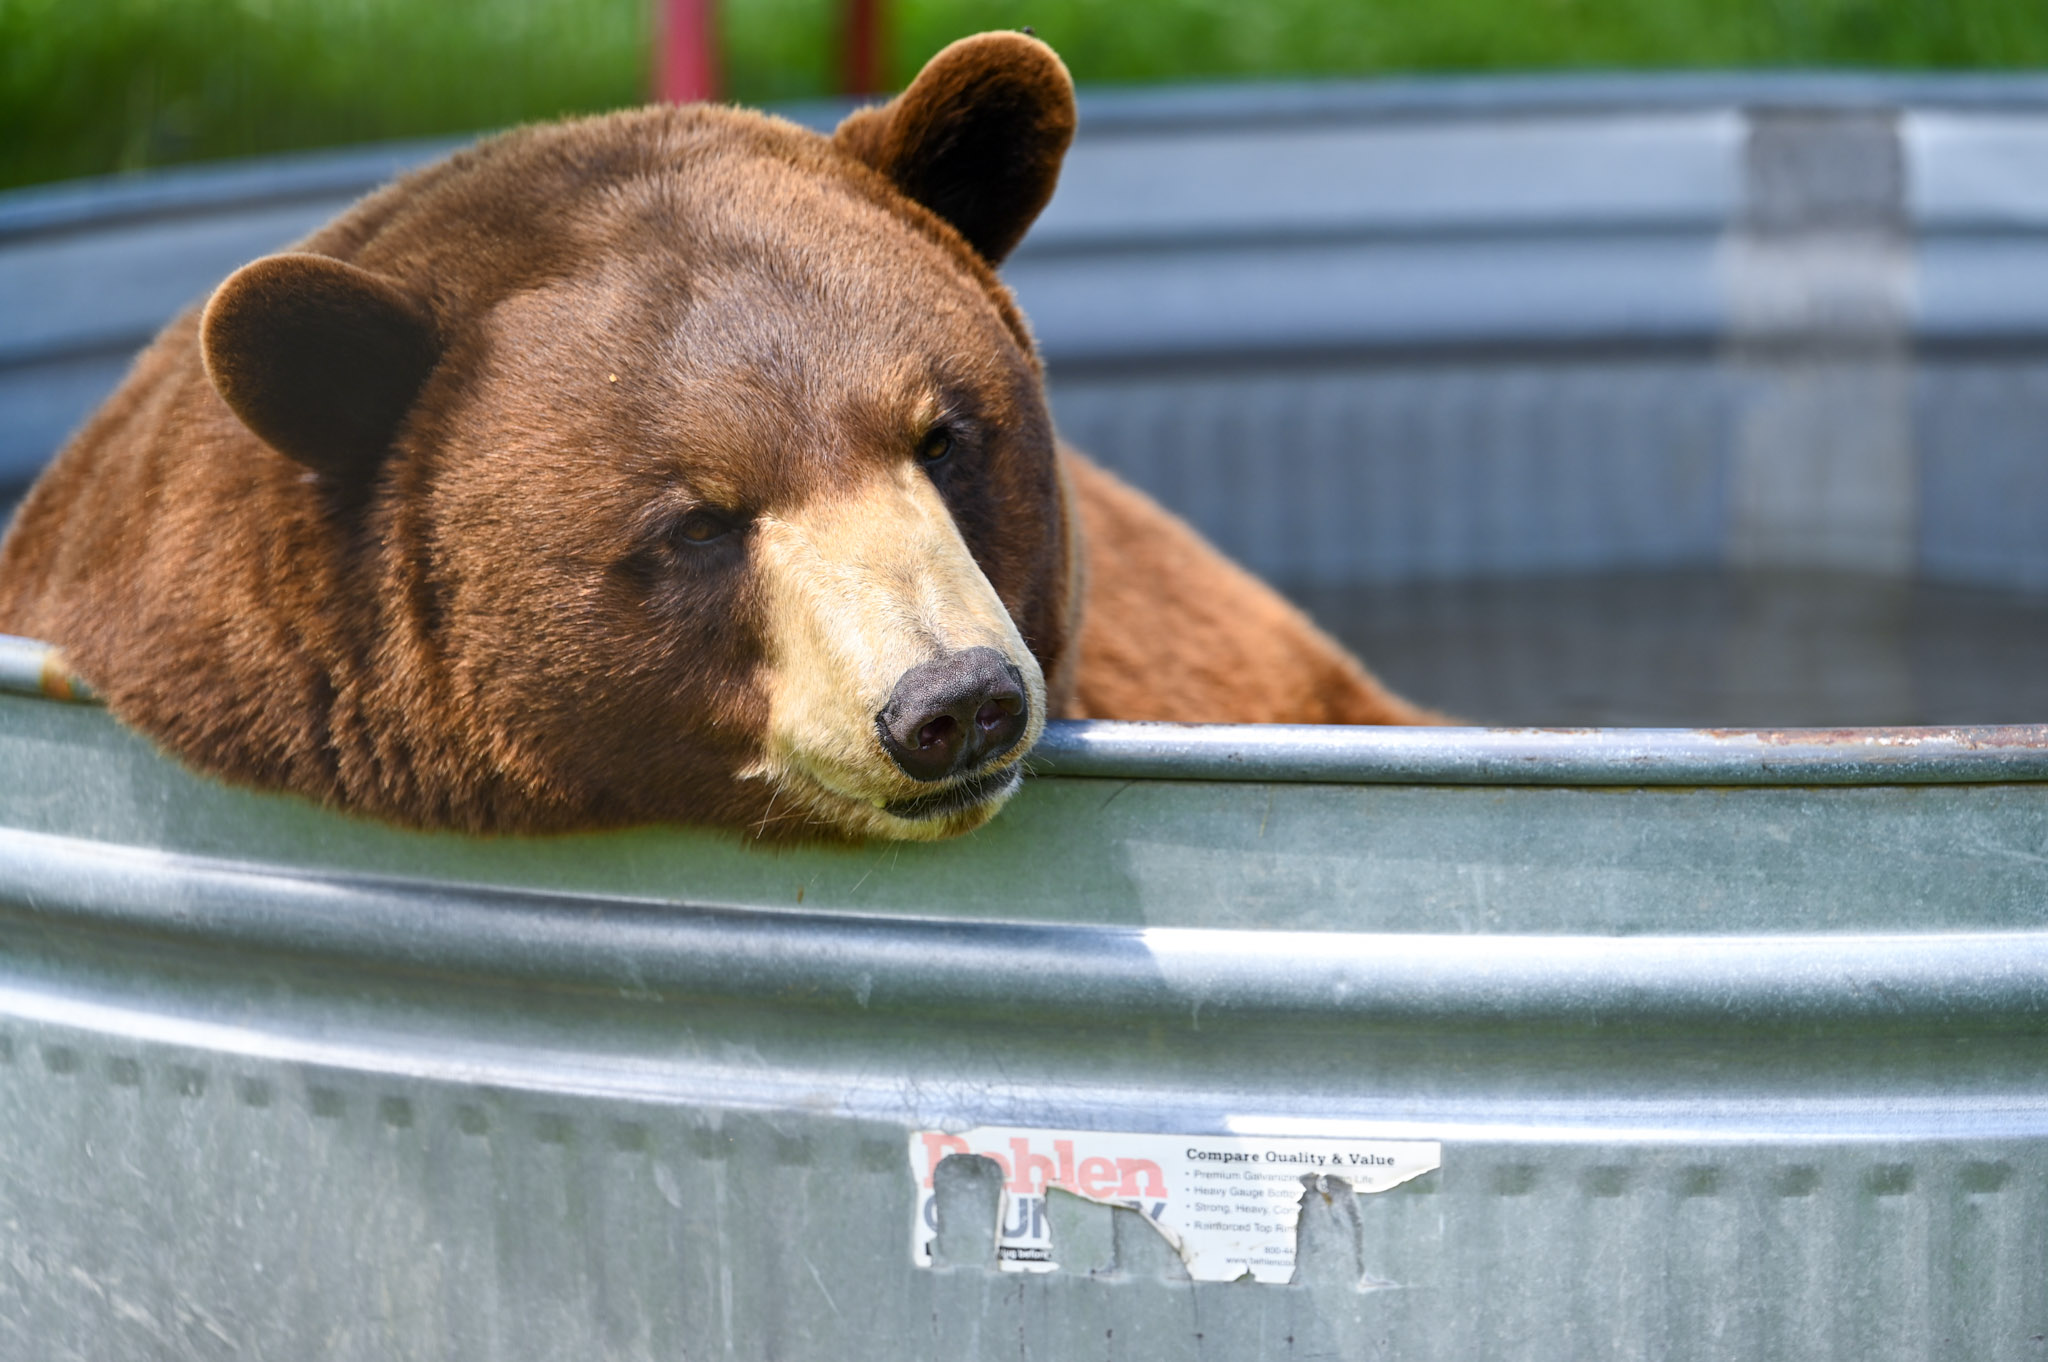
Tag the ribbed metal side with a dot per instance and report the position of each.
(1433, 471)
(1718, 1071)
(516, 1225)
(1982, 432)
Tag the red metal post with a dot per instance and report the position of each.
(686, 50)
(862, 70)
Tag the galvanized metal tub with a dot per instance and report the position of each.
(1731, 1043)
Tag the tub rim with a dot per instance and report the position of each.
(1330, 754)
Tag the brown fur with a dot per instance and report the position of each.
(455, 582)
(1012, 121)
(1173, 630)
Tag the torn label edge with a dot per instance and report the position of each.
(1306, 1157)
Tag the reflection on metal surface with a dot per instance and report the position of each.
(1820, 281)
(841, 963)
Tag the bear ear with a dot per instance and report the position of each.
(977, 138)
(320, 359)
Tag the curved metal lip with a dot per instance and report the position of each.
(1334, 755)
(1614, 757)
(652, 951)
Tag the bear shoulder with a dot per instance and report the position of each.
(1172, 630)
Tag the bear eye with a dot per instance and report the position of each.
(936, 445)
(703, 527)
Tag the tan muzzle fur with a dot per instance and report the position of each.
(861, 586)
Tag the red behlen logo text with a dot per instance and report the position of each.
(1028, 1172)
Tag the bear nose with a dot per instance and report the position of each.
(954, 714)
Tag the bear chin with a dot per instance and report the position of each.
(960, 807)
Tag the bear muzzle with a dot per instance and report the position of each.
(902, 699)
(954, 715)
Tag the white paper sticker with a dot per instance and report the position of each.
(1228, 1203)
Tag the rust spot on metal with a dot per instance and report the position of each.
(59, 682)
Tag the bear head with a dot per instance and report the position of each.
(674, 465)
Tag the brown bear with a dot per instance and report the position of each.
(674, 465)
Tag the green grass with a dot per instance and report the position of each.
(91, 86)
(88, 86)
